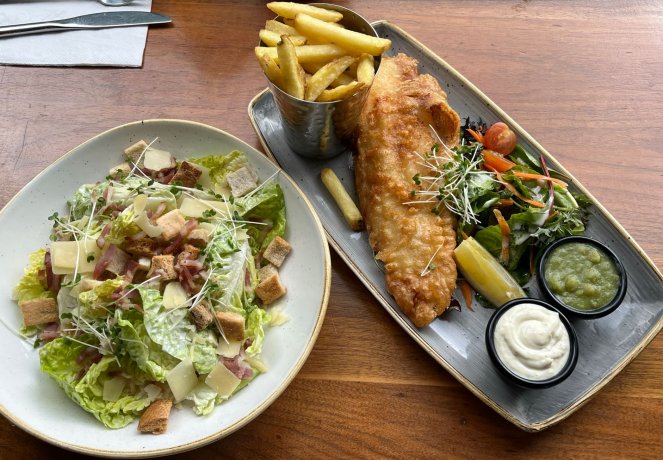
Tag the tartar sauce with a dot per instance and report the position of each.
(532, 341)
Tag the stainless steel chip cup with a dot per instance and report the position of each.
(322, 130)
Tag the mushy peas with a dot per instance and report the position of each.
(582, 276)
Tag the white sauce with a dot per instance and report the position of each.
(532, 341)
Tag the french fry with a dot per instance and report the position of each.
(307, 53)
(346, 205)
(313, 67)
(354, 42)
(290, 10)
(340, 92)
(270, 38)
(271, 69)
(292, 73)
(327, 74)
(282, 29)
(365, 69)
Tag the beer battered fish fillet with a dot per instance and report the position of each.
(393, 132)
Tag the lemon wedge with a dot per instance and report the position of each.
(485, 273)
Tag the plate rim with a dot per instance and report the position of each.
(591, 391)
(275, 393)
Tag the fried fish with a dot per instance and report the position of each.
(415, 244)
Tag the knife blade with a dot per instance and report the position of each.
(86, 22)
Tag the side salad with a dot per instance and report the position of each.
(505, 199)
(153, 288)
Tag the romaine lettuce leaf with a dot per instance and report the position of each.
(58, 359)
(204, 399)
(92, 301)
(140, 348)
(174, 331)
(123, 226)
(81, 203)
(30, 287)
(255, 329)
(267, 206)
(221, 165)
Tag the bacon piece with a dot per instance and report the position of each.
(104, 260)
(52, 280)
(130, 270)
(238, 367)
(50, 332)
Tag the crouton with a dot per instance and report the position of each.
(270, 289)
(133, 152)
(155, 418)
(241, 181)
(277, 250)
(171, 223)
(267, 271)
(232, 325)
(164, 266)
(187, 175)
(189, 252)
(120, 171)
(38, 311)
(199, 237)
(201, 314)
(141, 247)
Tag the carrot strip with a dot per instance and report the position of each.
(464, 235)
(524, 175)
(476, 135)
(506, 233)
(466, 289)
(513, 189)
(505, 202)
(497, 161)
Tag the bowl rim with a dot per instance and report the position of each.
(553, 299)
(525, 382)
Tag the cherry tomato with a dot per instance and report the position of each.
(500, 139)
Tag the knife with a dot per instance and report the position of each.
(88, 21)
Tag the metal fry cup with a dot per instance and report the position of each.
(321, 130)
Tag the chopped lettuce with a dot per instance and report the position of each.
(204, 399)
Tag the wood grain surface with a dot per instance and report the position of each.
(585, 78)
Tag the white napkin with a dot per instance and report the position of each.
(121, 47)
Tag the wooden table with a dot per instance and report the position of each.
(584, 78)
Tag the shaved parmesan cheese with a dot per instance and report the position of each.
(140, 207)
(174, 295)
(182, 379)
(228, 350)
(191, 207)
(222, 380)
(64, 255)
(278, 317)
(113, 388)
(146, 225)
(157, 160)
